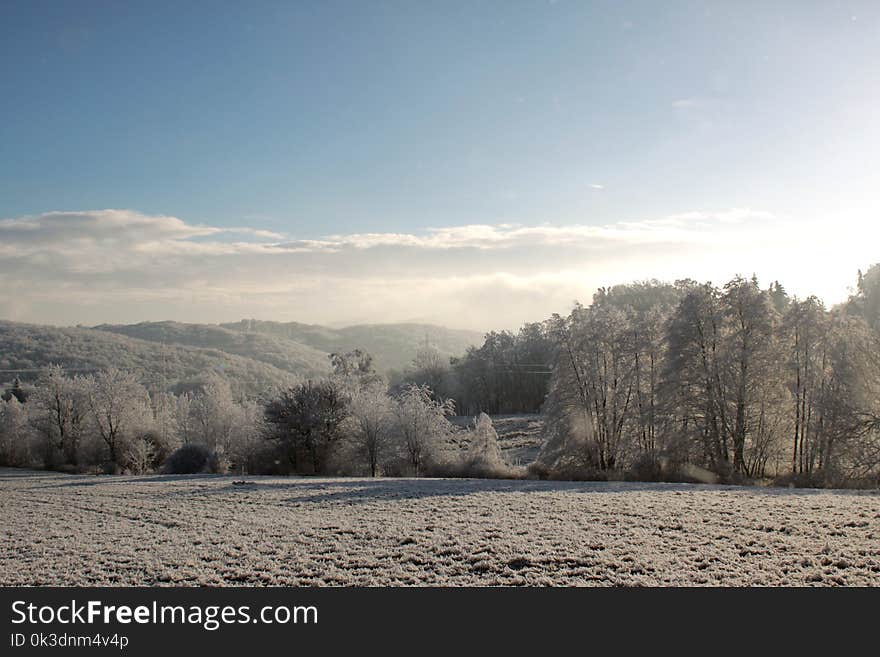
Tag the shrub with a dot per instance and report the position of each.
(192, 458)
(576, 472)
(825, 479)
(538, 470)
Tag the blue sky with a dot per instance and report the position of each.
(310, 120)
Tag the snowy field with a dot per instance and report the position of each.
(157, 530)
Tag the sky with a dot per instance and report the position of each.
(475, 164)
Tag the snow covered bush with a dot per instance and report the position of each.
(484, 443)
(483, 457)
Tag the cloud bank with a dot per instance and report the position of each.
(125, 266)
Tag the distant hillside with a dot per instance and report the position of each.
(25, 348)
(255, 355)
(393, 346)
(279, 352)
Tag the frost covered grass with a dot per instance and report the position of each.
(213, 530)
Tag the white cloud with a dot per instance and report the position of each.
(121, 265)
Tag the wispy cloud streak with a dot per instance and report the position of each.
(122, 265)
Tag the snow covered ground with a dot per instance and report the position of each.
(152, 530)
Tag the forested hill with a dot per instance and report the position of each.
(279, 352)
(393, 346)
(26, 348)
(303, 348)
(255, 355)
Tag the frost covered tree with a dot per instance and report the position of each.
(210, 416)
(308, 417)
(246, 437)
(60, 411)
(805, 332)
(145, 452)
(845, 444)
(603, 408)
(164, 410)
(214, 413)
(722, 375)
(483, 450)
(750, 344)
(430, 368)
(370, 424)
(695, 374)
(14, 433)
(866, 301)
(597, 365)
(183, 418)
(421, 426)
(354, 367)
(119, 406)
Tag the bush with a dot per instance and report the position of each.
(538, 470)
(824, 479)
(569, 470)
(192, 458)
(575, 472)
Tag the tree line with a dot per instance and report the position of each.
(689, 380)
(508, 374)
(650, 381)
(346, 423)
(736, 382)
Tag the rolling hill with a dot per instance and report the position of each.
(256, 355)
(393, 346)
(287, 355)
(26, 348)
